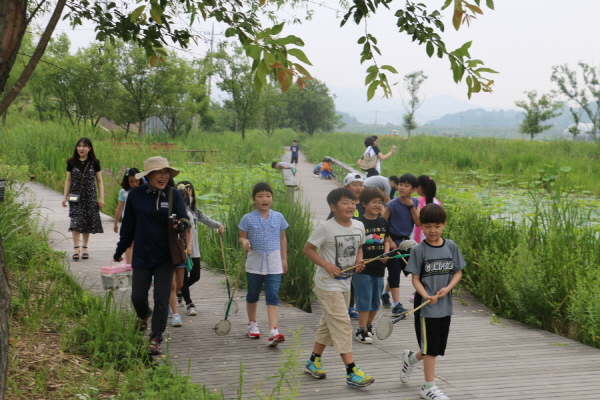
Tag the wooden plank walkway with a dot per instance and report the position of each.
(507, 360)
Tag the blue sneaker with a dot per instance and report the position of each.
(398, 309)
(358, 378)
(385, 300)
(176, 320)
(315, 368)
(353, 314)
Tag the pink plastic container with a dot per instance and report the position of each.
(116, 277)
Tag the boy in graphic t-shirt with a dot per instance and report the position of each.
(339, 241)
(436, 267)
(369, 283)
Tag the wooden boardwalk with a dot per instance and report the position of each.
(507, 360)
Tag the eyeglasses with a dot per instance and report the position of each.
(163, 172)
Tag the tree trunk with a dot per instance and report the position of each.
(12, 93)
(4, 322)
(13, 22)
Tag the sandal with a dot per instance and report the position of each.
(76, 255)
(85, 256)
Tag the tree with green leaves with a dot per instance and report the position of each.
(412, 85)
(312, 109)
(537, 111)
(236, 79)
(149, 24)
(586, 95)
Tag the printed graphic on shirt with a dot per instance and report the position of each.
(440, 266)
(346, 247)
(164, 204)
(374, 238)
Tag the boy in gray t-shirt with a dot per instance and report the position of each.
(436, 267)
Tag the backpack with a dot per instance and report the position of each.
(367, 162)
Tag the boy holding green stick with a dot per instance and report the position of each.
(339, 241)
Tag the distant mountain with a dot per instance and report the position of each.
(498, 119)
(348, 119)
(382, 111)
(480, 118)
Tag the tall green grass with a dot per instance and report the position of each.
(477, 160)
(45, 148)
(543, 270)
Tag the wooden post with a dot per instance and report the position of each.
(4, 321)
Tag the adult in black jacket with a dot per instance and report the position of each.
(145, 222)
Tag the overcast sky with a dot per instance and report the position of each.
(521, 39)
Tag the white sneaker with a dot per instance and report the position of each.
(433, 393)
(407, 367)
(253, 331)
(363, 337)
(275, 338)
(191, 310)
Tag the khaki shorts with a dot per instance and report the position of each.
(335, 329)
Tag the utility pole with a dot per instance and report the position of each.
(212, 41)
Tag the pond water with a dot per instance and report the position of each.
(515, 203)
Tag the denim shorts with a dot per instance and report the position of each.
(367, 292)
(272, 283)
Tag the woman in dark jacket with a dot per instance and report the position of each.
(145, 222)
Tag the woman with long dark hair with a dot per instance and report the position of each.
(83, 175)
(372, 150)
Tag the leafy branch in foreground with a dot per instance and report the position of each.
(424, 28)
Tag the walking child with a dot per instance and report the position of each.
(193, 276)
(262, 235)
(368, 284)
(402, 216)
(436, 266)
(294, 149)
(177, 282)
(339, 241)
(129, 182)
(427, 190)
(355, 183)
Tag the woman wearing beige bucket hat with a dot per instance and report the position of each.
(145, 222)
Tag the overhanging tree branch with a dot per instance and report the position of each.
(13, 92)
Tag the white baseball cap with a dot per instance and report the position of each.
(353, 177)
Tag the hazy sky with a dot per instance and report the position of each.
(521, 39)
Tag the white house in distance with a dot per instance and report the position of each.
(584, 132)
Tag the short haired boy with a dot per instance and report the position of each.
(294, 149)
(368, 284)
(355, 182)
(339, 241)
(436, 266)
(283, 165)
(394, 180)
(402, 216)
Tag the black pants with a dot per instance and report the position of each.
(372, 172)
(189, 278)
(142, 280)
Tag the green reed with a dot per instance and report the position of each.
(540, 269)
(47, 300)
(475, 160)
